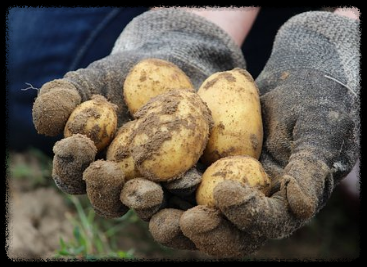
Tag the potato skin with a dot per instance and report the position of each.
(151, 77)
(171, 134)
(233, 99)
(95, 118)
(119, 151)
(244, 169)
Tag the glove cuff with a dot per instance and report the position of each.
(196, 45)
(320, 41)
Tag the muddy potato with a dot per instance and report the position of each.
(233, 99)
(119, 151)
(151, 77)
(95, 118)
(244, 169)
(171, 134)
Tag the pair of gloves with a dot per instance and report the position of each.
(310, 107)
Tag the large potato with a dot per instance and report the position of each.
(119, 151)
(234, 102)
(171, 134)
(95, 118)
(151, 77)
(244, 169)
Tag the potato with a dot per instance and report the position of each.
(171, 134)
(151, 77)
(119, 151)
(233, 99)
(244, 169)
(95, 118)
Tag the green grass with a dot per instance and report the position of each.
(33, 167)
(94, 239)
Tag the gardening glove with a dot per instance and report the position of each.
(309, 94)
(194, 44)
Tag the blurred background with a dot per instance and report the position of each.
(43, 222)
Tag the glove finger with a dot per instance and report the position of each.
(308, 184)
(165, 229)
(186, 185)
(52, 108)
(72, 156)
(104, 182)
(251, 211)
(306, 144)
(299, 197)
(144, 196)
(214, 235)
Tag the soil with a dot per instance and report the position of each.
(36, 220)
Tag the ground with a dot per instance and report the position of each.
(44, 223)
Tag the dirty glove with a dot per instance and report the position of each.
(194, 44)
(310, 104)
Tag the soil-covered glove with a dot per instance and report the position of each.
(310, 105)
(194, 44)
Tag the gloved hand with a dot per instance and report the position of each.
(194, 44)
(309, 94)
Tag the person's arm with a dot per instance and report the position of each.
(237, 22)
(351, 12)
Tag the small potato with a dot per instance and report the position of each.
(119, 151)
(151, 77)
(171, 134)
(233, 99)
(244, 169)
(95, 118)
